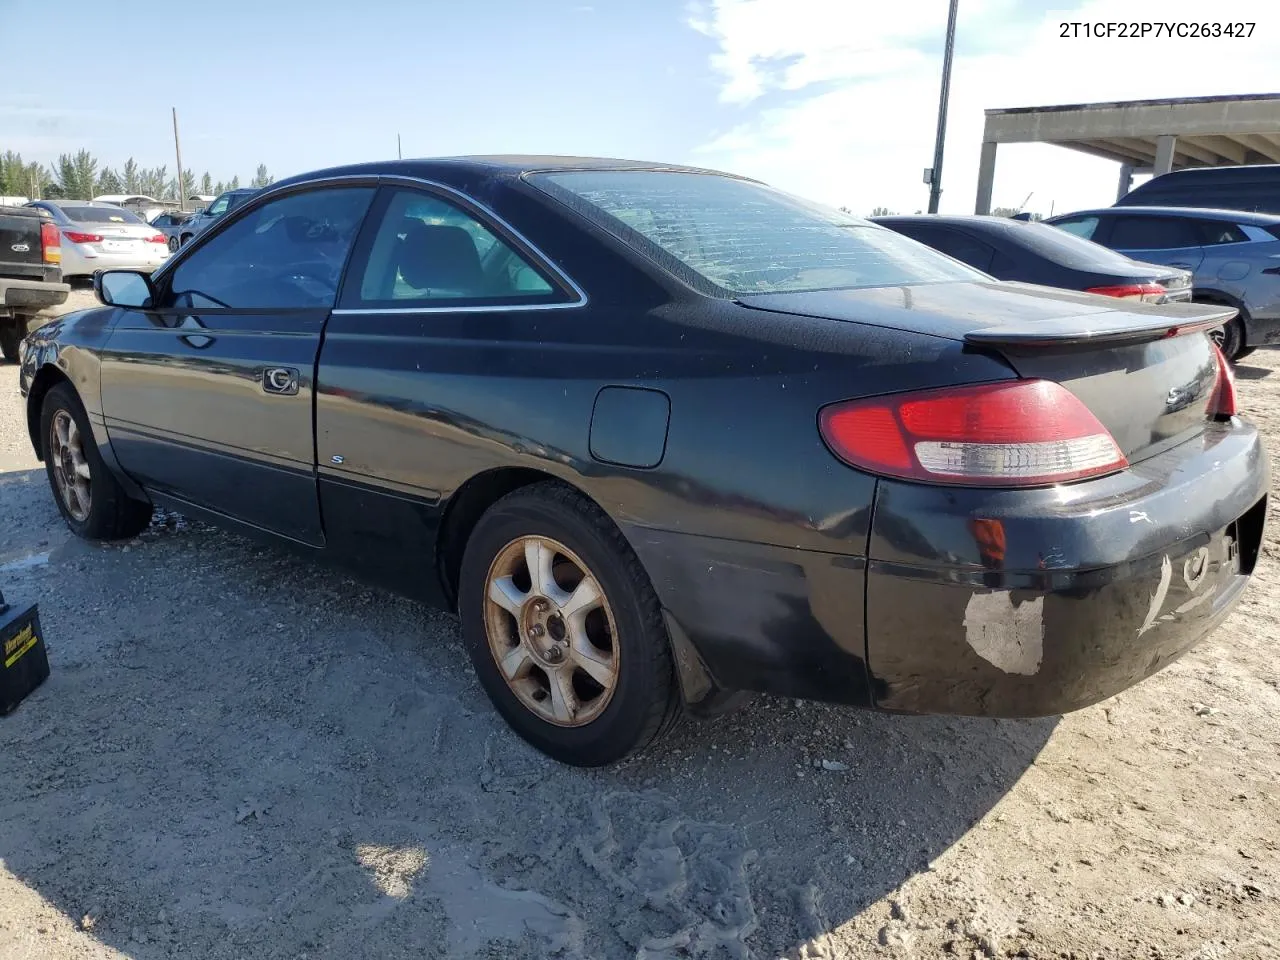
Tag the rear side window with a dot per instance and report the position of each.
(1215, 232)
(1153, 233)
(1083, 227)
(426, 252)
(965, 248)
(740, 237)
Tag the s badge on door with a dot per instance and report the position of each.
(282, 381)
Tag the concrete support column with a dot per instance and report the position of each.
(986, 176)
(1164, 154)
(1126, 180)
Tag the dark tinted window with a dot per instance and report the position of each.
(743, 237)
(286, 253)
(965, 248)
(1153, 233)
(99, 214)
(1214, 232)
(1063, 247)
(428, 253)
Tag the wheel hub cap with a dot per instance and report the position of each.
(551, 631)
(70, 467)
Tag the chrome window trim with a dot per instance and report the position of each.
(545, 262)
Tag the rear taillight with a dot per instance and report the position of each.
(1222, 404)
(1150, 292)
(76, 237)
(157, 238)
(51, 243)
(1018, 433)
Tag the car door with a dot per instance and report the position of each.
(437, 335)
(1174, 241)
(208, 395)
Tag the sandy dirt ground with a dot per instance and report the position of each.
(240, 755)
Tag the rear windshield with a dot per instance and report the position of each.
(99, 214)
(743, 237)
(1065, 248)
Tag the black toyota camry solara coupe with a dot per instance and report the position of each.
(662, 436)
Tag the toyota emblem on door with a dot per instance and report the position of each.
(282, 381)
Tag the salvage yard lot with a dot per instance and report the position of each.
(240, 754)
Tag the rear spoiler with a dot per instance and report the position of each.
(1113, 327)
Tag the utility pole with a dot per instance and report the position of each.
(399, 155)
(935, 181)
(177, 148)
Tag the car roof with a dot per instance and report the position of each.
(78, 203)
(493, 165)
(1198, 213)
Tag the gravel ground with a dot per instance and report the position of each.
(240, 755)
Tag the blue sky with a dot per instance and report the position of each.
(833, 99)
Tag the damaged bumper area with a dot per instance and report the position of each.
(1037, 602)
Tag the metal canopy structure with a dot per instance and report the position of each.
(1144, 136)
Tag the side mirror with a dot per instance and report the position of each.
(123, 288)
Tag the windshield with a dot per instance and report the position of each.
(1064, 247)
(99, 214)
(746, 238)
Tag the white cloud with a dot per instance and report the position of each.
(838, 100)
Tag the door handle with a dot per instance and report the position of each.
(280, 381)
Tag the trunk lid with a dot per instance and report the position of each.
(21, 253)
(1146, 371)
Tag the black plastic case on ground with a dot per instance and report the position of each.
(24, 665)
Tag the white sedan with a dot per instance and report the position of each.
(103, 236)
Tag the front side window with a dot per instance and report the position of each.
(218, 206)
(742, 237)
(1153, 233)
(426, 252)
(287, 253)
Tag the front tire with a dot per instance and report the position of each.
(173, 244)
(90, 499)
(564, 629)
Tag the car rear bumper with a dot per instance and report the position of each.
(1003, 603)
(979, 602)
(79, 261)
(30, 295)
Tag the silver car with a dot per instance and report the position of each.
(170, 223)
(224, 204)
(103, 236)
(1234, 258)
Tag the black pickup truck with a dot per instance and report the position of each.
(30, 273)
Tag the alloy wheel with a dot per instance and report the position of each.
(71, 470)
(551, 631)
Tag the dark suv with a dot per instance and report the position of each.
(1255, 187)
(1234, 258)
(224, 204)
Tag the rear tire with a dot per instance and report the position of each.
(185, 238)
(512, 613)
(1230, 339)
(11, 336)
(89, 497)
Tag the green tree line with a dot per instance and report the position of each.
(80, 176)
